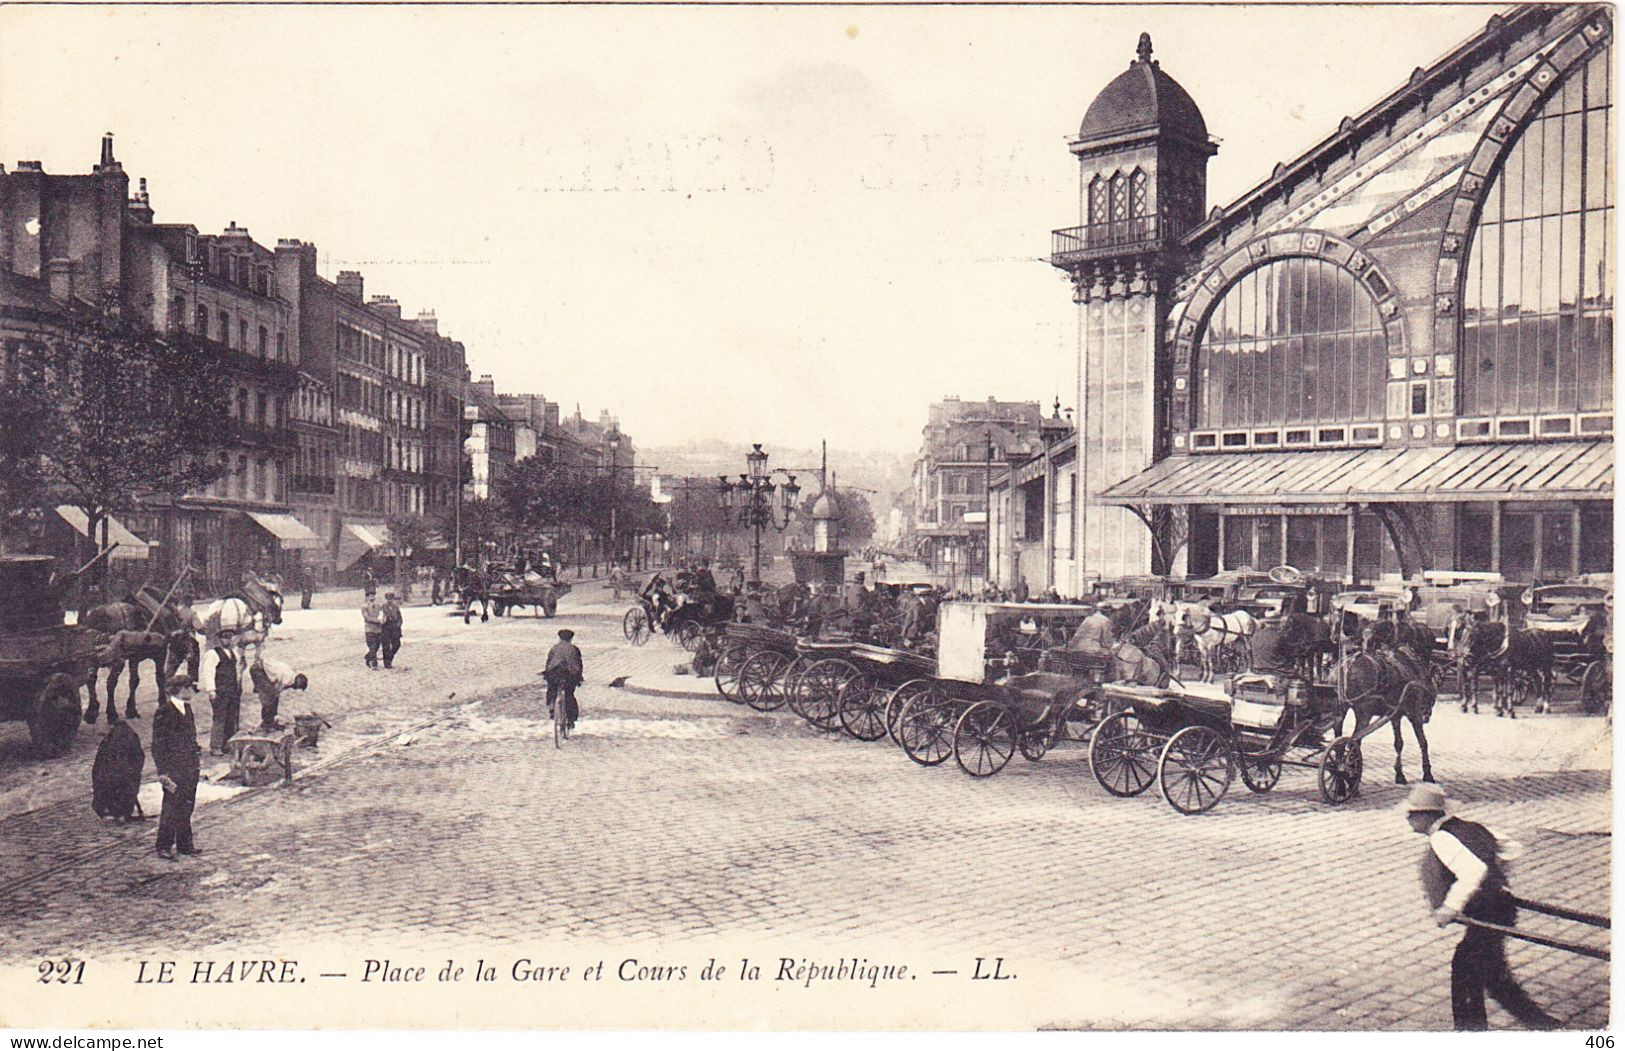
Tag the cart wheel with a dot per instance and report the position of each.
(55, 717)
(635, 625)
(1258, 773)
(688, 636)
(1035, 742)
(1078, 719)
(1122, 755)
(1596, 688)
(1195, 770)
(761, 681)
(895, 703)
(925, 727)
(1340, 768)
(862, 708)
(818, 691)
(984, 739)
(729, 661)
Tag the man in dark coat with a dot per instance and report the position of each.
(1464, 874)
(564, 673)
(392, 628)
(175, 755)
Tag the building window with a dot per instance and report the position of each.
(282, 346)
(242, 404)
(224, 331)
(177, 314)
(265, 341)
(1119, 197)
(202, 321)
(242, 334)
(1538, 300)
(1141, 193)
(1293, 341)
(1098, 206)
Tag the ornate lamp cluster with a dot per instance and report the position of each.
(760, 497)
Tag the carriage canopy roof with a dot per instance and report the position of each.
(1536, 471)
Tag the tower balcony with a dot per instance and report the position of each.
(1140, 234)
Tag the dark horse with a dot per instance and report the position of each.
(1390, 678)
(473, 586)
(1515, 661)
(133, 615)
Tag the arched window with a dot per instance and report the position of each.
(1098, 203)
(1140, 192)
(1119, 197)
(1538, 300)
(1296, 340)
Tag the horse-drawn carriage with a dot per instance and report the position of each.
(43, 661)
(682, 615)
(508, 590)
(1575, 619)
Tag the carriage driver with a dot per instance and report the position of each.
(1094, 639)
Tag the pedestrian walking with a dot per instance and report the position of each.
(306, 586)
(392, 628)
(270, 678)
(564, 673)
(1464, 874)
(223, 680)
(372, 622)
(175, 756)
(435, 583)
(369, 580)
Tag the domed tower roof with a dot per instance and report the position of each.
(827, 506)
(1144, 98)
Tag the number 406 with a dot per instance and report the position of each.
(1600, 1041)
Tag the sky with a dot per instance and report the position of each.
(769, 224)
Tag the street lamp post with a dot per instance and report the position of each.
(614, 447)
(761, 498)
(987, 516)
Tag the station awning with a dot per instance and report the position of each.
(1533, 471)
(129, 545)
(288, 530)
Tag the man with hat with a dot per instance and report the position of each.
(1464, 875)
(372, 622)
(564, 673)
(222, 681)
(175, 756)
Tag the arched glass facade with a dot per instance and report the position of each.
(1296, 340)
(1538, 300)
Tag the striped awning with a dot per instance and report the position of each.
(128, 545)
(288, 530)
(1534, 471)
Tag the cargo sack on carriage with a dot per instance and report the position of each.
(115, 776)
(1258, 701)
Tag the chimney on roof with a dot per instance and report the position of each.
(486, 386)
(141, 204)
(234, 231)
(349, 285)
(386, 305)
(428, 322)
(108, 165)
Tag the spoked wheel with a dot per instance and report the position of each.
(635, 625)
(1195, 770)
(761, 680)
(898, 699)
(688, 635)
(1596, 688)
(862, 708)
(1340, 768)
(925, 727)
(1034, 742)
(1078, 719)
(55, 717)
(1259, 772)
(818, 691)
(729, 661)
(1123, 756)
(984, 739)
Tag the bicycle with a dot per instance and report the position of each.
(559, 710)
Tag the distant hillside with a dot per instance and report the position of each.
(883, 472)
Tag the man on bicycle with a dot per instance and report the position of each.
(563, 674)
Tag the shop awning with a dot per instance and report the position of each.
(129, 545)
(358, 540)
(374, 536)
(288, 530)
(1533, 471)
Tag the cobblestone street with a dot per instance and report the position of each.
(439, 819)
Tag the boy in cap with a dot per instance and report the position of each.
(564, 673)
(175, 756)
(1464, 875)
(372, 622)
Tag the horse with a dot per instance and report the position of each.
(246, 614)
(111, 619)
(1387, 678)
(1512, 658)
(1215, 634)
(1145, 654)
(473, 586)
(1298, 644)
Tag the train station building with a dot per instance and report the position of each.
(1394, 354)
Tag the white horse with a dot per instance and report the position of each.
(1215, 634)
(247, 614)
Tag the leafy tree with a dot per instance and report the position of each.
(101, 412)
(856, 521)
(484, 526)
(408, 543)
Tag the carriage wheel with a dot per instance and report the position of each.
(984, 739)
(1258, 772)
(1078, 719)
(898, 699)
(688, 636)
(1122, 755)
(55, 717)
(1340, 768)
(761, 681)
(925, 727)
(726, 672)
(1035, 742)
(1195, 770)
(862, 708)
(1596, 688)
(818, 691)
(635, 625)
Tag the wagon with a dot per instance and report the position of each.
(1001, 686)
(751, 664)
(509, 591)
(43, 661)
(1574, 618)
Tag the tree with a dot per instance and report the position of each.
(408, 543)
(105, 412)
(856, 522)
